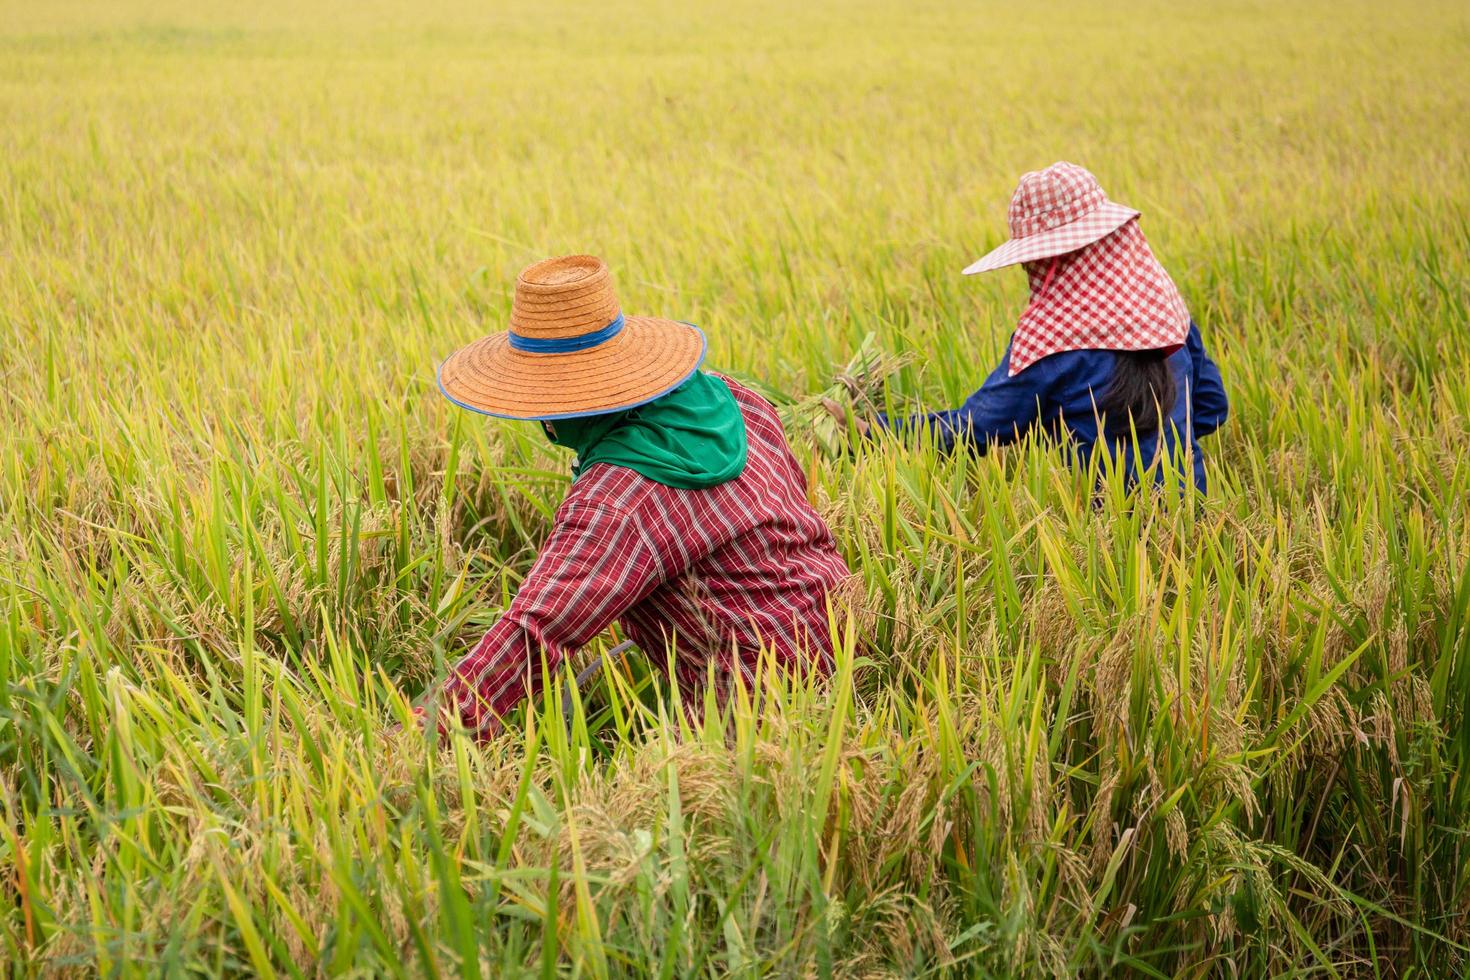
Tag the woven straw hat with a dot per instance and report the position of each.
(570, 351)
(1053, 212)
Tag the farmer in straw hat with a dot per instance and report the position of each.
(687, 520)
(1105, 352)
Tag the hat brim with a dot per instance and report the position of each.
(1093, 226)
(649, 358)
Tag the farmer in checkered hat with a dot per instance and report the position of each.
(1106, 351)
(687, 521)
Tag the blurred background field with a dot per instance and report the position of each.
(239, 527)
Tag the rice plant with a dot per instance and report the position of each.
(1076, 731)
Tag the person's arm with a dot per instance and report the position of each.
(1208, 404)
(597, 563)
(998, 413)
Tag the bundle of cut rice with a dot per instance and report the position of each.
(857, 390)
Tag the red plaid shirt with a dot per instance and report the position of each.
(710, 576)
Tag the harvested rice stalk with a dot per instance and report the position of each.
(857, 388)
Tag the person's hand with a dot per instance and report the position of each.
(844, 417)
(419, 720)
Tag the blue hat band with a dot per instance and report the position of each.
(566, 345)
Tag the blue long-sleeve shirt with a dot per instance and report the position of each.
(1059, 393)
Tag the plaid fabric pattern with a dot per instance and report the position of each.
(1111, 295)
(712, 577)
(1055, 211)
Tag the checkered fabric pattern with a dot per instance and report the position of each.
(1111, 295)
(1055, 211)
(1056, 196)
(712, 576)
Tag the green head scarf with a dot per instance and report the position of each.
(691, 438)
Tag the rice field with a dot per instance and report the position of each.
(1086, 735)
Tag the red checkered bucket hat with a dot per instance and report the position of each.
(1053, 212)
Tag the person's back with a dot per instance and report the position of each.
(731, 569)
(1071, 391)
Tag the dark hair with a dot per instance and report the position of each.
(1142, 389)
